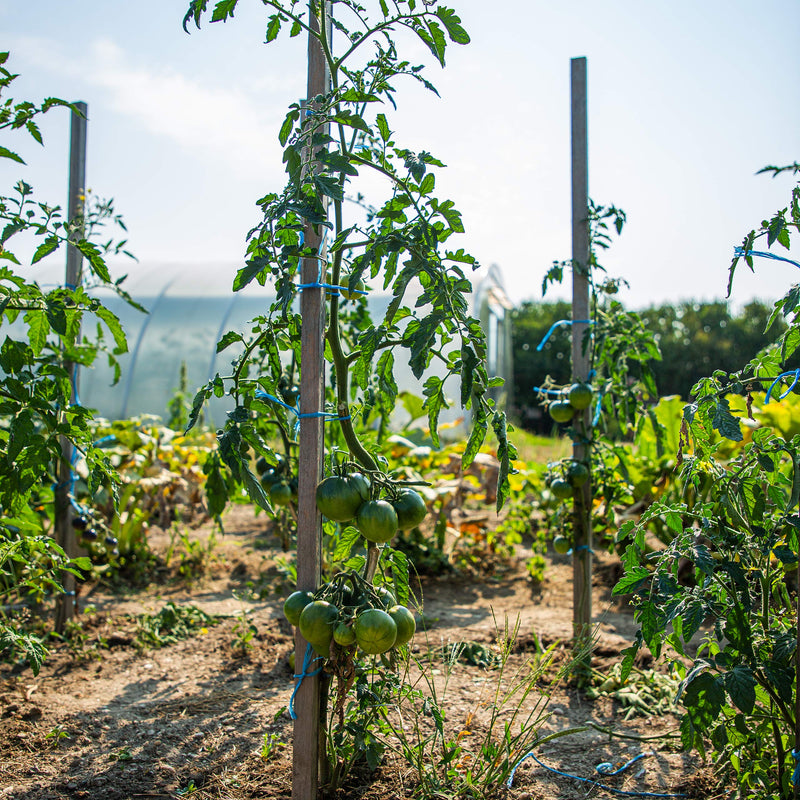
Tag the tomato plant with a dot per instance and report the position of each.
(618, 394)
(402, 244)
(739, 531)
(36, 405)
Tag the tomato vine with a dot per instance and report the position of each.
(42, 330)
(402, 245)
(730, 630)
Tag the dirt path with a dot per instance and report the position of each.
(191, 719)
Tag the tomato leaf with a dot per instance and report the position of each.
(115, 327)
(399, 565)
(49, 245)
(38, 329)
(96, 261)
(247, 273)
(741, 687)
(452, 24)
(631, 581)
(223, 9)
(383, 127)
(476, 437)
(6, 153)
(231, 337)
(725, 422)
(345, 542)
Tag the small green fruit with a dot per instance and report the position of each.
(561, 411)
(580, 395)
(561, 545)
(561, 489)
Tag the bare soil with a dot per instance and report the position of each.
(105, 719)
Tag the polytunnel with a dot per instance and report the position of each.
(189, 311)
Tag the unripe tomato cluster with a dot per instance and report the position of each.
(346, 498)
(359, 615)
(571, 399)
(564, 476)
(95, 536)
(277, 481)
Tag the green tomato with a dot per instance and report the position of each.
(317, 623)
(561, 489)
(377, 521)
(339, 498)
(410, 509)
(353, 294)
(294, 604)
(561, 545)
(561, 411)
(280, 494)
(404, 620)
(580, 395)
(375, 631)
(361, 484)
(577, 473)
(290, 394)
(385, 597)
(344, 635)
(269, 478)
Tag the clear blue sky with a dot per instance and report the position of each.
(686, 101)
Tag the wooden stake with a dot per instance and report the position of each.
(308, 755)
(64, 533)
(582, 531)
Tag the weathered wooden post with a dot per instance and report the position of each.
(64, 534)
(308, 755)
(581, 451)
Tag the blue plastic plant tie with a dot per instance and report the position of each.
(105, 440)
(607, 768)
(261, 395)
(598, 409)
(318, 414)
(71, 286)
(584, 547)
(795, 373)
(586, 780)
(330, 414)
(592, 373)
(556, 392)
(796, 773)
(740, 251)
(307, 662)
(556, 325)
(332, 288)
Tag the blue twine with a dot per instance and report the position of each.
(607, 768)
(261, 395)
(556, 392)
(333, 288)
(740, 251)
(795, 373)
(584, 547)
(598, 409)
(796, 773)
(556, 325)
(307, 662)
(587, 780)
